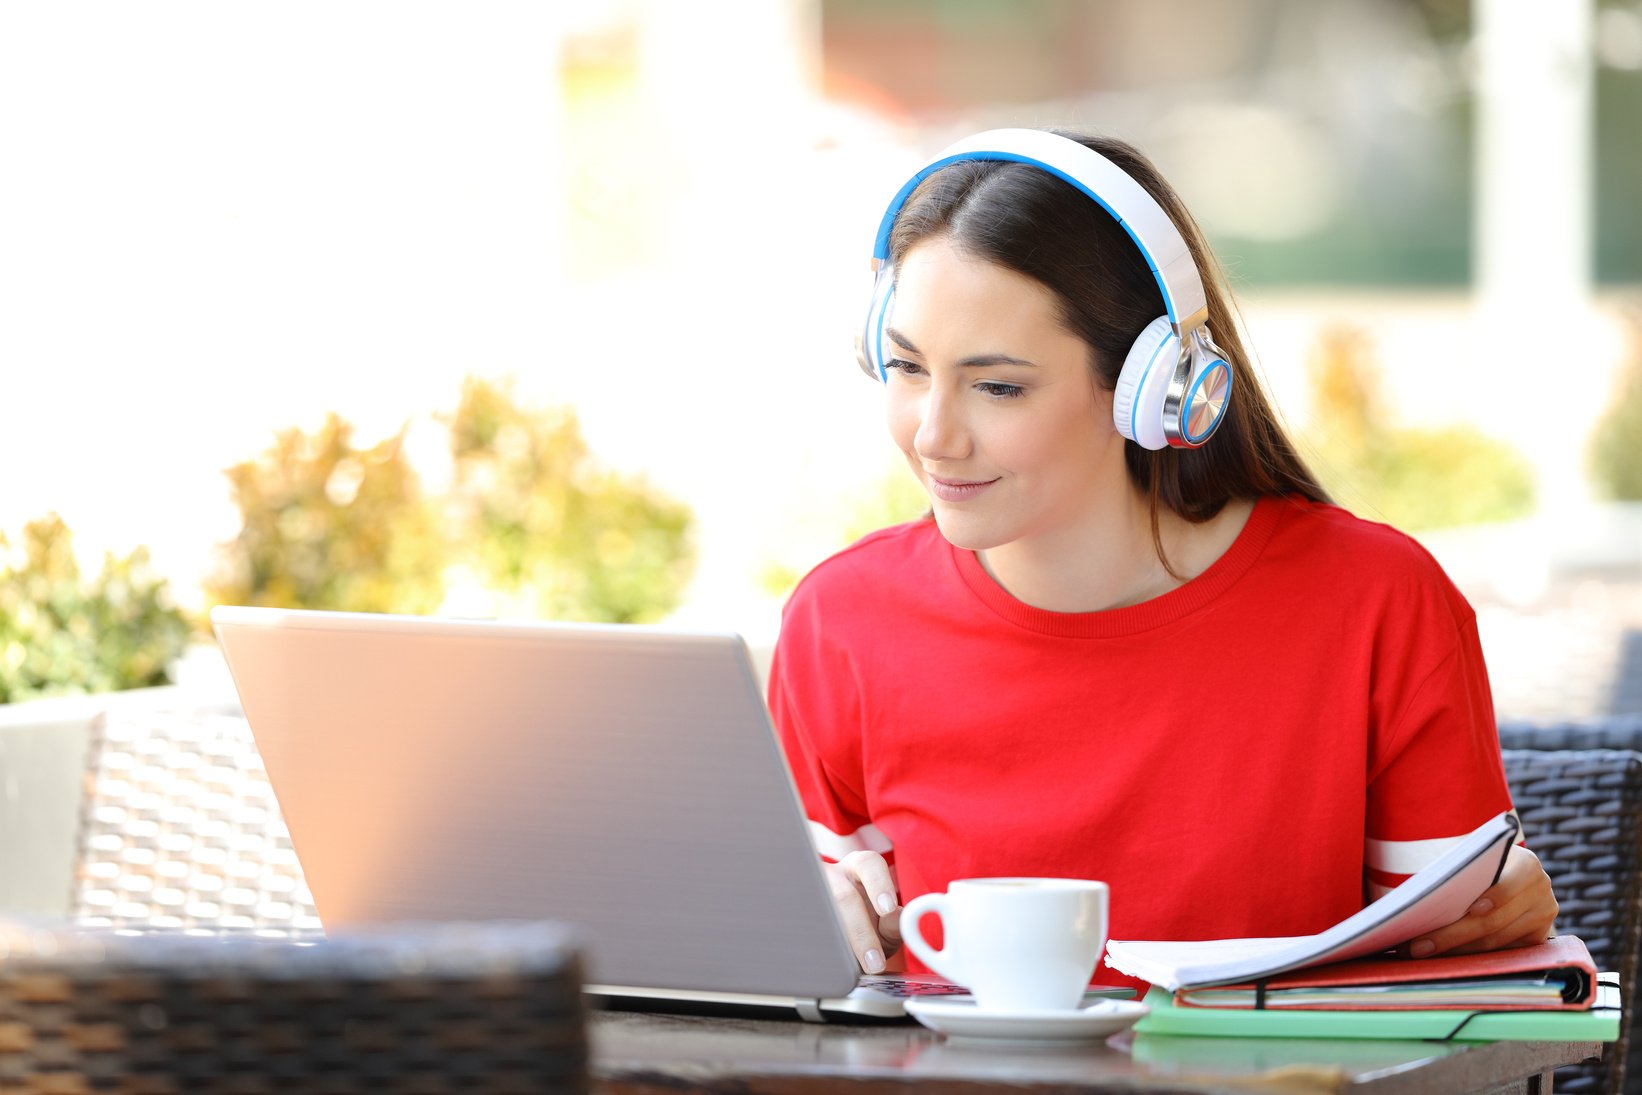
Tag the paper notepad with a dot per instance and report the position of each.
(1435, 896)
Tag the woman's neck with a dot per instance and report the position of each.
(1110, 559)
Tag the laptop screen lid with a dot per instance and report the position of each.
(621, 778)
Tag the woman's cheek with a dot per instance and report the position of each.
(902, 417)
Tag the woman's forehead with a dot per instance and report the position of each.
(938, 270)
(945, 294)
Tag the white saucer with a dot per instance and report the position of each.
(963, 1018)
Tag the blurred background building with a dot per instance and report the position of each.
(221, 223)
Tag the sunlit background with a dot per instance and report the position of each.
(222, 223)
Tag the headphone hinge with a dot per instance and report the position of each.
(1198, 320)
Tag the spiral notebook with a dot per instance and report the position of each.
(1556, 975)
(1437, 894)
(1599, 1023)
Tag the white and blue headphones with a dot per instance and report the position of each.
(1175, 382)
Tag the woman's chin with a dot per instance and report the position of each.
(963, 531)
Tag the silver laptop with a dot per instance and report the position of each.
(624, 779)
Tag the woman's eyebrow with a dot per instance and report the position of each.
(901, 340)
(981, 361)
(987, 360)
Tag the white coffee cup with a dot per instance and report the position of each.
(1019, 944)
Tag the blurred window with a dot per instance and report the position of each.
(1319, 141)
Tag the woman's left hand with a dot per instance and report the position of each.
(1516, 911)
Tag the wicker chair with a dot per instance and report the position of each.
(1581, 812)
(1610, 732)
(492, 1007)
(179, 829)
(193, 959)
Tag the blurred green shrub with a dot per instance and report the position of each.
(1412, 478)
(541, 521)
(61, 635)
(1616, 443)
(531, 517)
(328, 525)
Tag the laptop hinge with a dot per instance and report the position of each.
(810, 1011)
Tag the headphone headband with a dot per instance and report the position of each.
(1175, 382)
(1160, 242)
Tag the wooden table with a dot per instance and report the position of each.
(635, 1052)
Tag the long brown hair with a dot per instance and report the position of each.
(1029, 221)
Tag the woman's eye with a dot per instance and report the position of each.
(1002, 391)
(906, 367)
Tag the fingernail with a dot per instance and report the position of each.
(1482, 907)
(886, 903)
(872, 962)
(1421, 948)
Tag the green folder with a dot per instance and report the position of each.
(1599, 1024)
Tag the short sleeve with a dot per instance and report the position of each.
(1436, 770)
(815, 705)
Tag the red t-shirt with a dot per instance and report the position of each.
(1241, 756)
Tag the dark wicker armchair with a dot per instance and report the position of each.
(1581, 812)
(454, 1007)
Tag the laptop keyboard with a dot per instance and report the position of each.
(896, 986)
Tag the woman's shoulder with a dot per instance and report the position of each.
(1332, 527)
(1341, 547)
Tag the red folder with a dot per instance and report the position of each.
(1557, 974)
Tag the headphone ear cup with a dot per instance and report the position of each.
(1137, 401)
(869, 348)
(1207, 398)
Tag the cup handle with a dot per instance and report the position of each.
(938, 960)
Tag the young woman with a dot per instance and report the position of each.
(1120, 648)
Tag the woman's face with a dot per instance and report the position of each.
(994, 403)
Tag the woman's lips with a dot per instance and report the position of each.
(957, 490)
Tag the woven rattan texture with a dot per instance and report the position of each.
(1580, 814)
(1614, 732)
(472, 1008)
(180, 829)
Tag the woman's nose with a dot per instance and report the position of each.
(942, 433)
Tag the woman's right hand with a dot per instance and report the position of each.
(864, 891)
